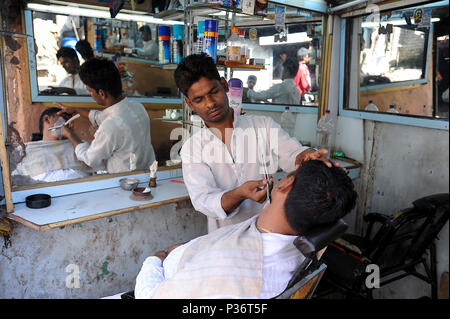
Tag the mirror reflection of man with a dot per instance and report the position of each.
(49, 157)
(285, 92)
(123, 133)
(150, 47)
(221, 171)
(68, 59)
(251, 82)
(303, 77)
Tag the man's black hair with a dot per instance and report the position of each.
(192, 68)
(85, 49)
(145, 28)
(319, 196)
(101, 74)
(51, 111)
(67, 52)
(290, 68)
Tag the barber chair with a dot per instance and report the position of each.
(308, 275)
(401, 243)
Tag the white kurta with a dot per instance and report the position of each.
(209, 170)
(123, 128)
(280, 256)
(77, 85)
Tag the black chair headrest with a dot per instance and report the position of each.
(432, 202)
(319, 237)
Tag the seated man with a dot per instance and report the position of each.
(285, 92)
(255, 258)
(51, 158)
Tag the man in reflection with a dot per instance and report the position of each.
(285, 92)
(251, 82)
(49, 157)
(150, 48)
(122, 141)
(223, 161)
(69, 60)
(303, 77)
(85, 49)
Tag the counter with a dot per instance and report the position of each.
(77, 208)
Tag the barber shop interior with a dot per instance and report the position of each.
(153, 149)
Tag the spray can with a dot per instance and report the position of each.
(177, 43)
(200, 37)
(210, 38)
(164, 44)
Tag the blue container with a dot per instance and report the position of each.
(164, 44)
(177, 43)
(178, 32)
(210, 38)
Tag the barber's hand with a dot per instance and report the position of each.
(310, 154)
(256, 190)
(161, 254)
(66, 131)
(65, 109)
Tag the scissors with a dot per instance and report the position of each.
(266, 175)
(65, 123)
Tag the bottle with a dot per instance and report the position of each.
(392, 109)
(233, 48)
(288, 121)
(200, 36)
(177, 43)
(164, 44)
(371, 107)
(235, 89)
(244, 47)
(325, 131)
(210, 38)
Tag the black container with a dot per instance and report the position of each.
(38, 201)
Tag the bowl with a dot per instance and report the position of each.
(38, 201)
(128, 184)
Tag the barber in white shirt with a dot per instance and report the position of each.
(222, 163)
(123, 127)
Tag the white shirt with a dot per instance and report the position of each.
(150, 49)
(285, 92)
(207, 178)
(76, 84)
(123, 128)
(280, 256)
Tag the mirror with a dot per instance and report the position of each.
(403, 62)
(64, 42)
(290, 54)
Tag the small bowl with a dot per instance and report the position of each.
(140, 192)
(128, 184)
(38, 201)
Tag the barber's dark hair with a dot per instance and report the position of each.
(290, 68)
(85, 49)
(192, 68)
(67, 52)
(319, 196)
(100, 73)
(51, 111)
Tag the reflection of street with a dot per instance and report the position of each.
(388, 57)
